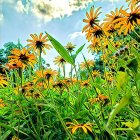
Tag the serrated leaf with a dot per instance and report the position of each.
(61, 50)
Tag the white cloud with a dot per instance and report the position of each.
(1, 17)
(50, 9)
(75, 35)
(21, 8)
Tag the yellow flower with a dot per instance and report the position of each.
(133, 2)
(38, 43)
(110, 18)
(60, 61)
(95, 32)
(96, 73)
(85, 83)
(95, 45)
(70, 47)
(3, 81)
(129, 20)
(15, 138)
(89, 63)
(92, 18)
(2, 103)
(13, 65)
(74, 126)
(22, 57)
(100, 98)
(47, 74)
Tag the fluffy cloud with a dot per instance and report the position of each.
(1, 17)
(21, 8)
(75, 35)
(50, 9)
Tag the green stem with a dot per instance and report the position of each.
(64, 70)
(20, 75)
(40, 60)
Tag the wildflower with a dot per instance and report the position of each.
(133, 2)
(110, 18)
(95, 45)
(38, 43)
(85, 83)
(3, 81)
(36, 95)
(85, 127)
(22, 57)
(129, 21)
(60, 61)
(89, 63)
(100, 98)
(92, 18)
(49, 73)
(96, 73)
(70, 47)
(2, 103)
(13, 65)
(15, 138)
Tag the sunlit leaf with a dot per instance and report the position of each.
(61, 50)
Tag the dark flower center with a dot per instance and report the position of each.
(39, 44)
(133, 18)
(62, 60)
(91, 22)
(14, 64)
(48, 75)
(23, 57)
(98, 33)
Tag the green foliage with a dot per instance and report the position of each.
(61, 50)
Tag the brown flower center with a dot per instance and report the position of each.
(39, 44)
(23, 57)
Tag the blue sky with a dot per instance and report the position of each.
(60, 18)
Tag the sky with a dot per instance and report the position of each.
(62, 19)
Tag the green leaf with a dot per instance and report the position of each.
(111, 47)
(121, 79)
(61, 50)
(78, 51)
(133, 65)
(5, 135)
(126, 99)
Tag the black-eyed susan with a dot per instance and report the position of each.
(38, 42)
(47, 74)
(99, 99)
(3, 81)
(92, 18)
(13, 65)
(70, 47)
(96, 73)
(22, 57)
(85, 83)
(95, 32)
(2, 104)
(15, 138)
(59, 60)
(110, 18)
(133, 2)
(129, 20)
(87, 127)
(95, 45)
(89, 63)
